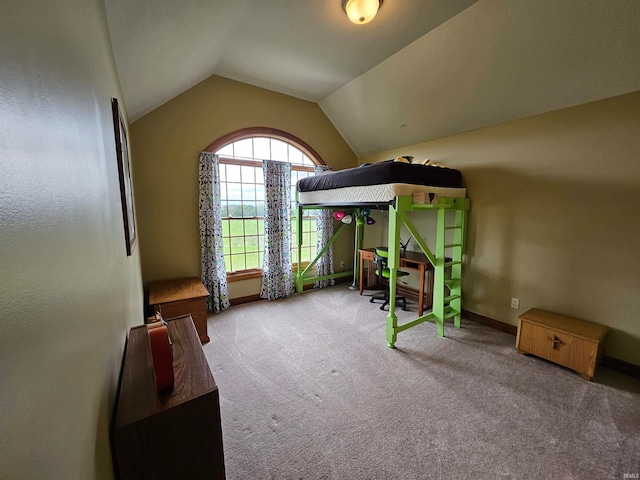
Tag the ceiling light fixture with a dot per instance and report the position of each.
(361, 11)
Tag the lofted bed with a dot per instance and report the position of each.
(397, 186)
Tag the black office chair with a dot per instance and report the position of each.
(381, 256)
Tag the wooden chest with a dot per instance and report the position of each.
(573, 343)
(182, 296)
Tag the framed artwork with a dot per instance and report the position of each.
(124, 172)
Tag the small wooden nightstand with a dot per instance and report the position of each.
(573, 343)
(182, 296)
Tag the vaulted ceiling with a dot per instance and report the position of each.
(420, 70)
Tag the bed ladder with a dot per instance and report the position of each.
(447, 291)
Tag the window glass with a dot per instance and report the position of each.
(226, 151)
(243, 148)
(242, 198)
(248, 174)
(234, 191)
(279, 150)
(233, 173)
(248, 192)
(261, 148)
(294, 154)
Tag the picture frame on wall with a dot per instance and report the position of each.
(124, 173)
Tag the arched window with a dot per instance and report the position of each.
(242, 194)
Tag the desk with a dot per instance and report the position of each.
(411, 261)
(182, 296)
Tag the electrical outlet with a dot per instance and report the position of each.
(515, 303)
(342, 264)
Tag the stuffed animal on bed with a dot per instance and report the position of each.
(404, 159)
(427, 162)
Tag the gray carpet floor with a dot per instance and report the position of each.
(310, 390)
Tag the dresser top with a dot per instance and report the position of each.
(138, 397)
(175, 290)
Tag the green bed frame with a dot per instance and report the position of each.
(447, 290)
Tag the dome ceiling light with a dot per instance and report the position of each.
(361, 11)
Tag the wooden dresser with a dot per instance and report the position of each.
(181, 296)
(174, 433)
(573, 343)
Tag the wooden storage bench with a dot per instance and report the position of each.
(573, 343)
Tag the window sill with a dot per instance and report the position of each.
(255, 273)
(244, 275)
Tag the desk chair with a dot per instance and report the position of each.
(381, 256)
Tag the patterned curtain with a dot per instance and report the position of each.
(214, 276)
(277, 267)
(324, 222)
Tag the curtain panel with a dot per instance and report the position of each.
(214, 275)
(324, 224)
(277, 268)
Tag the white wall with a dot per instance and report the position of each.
(68, 292)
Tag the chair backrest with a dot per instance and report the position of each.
(380, 256)
(382, 251)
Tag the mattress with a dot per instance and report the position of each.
(376, 194)
(382, 173)
(380, 184)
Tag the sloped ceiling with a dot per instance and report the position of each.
(499, 60)
(420, 70)
(304, 48)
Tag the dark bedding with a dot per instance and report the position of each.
(381, 173)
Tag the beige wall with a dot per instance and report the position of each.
(68, 291)
(555, 202)
(166, 143)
